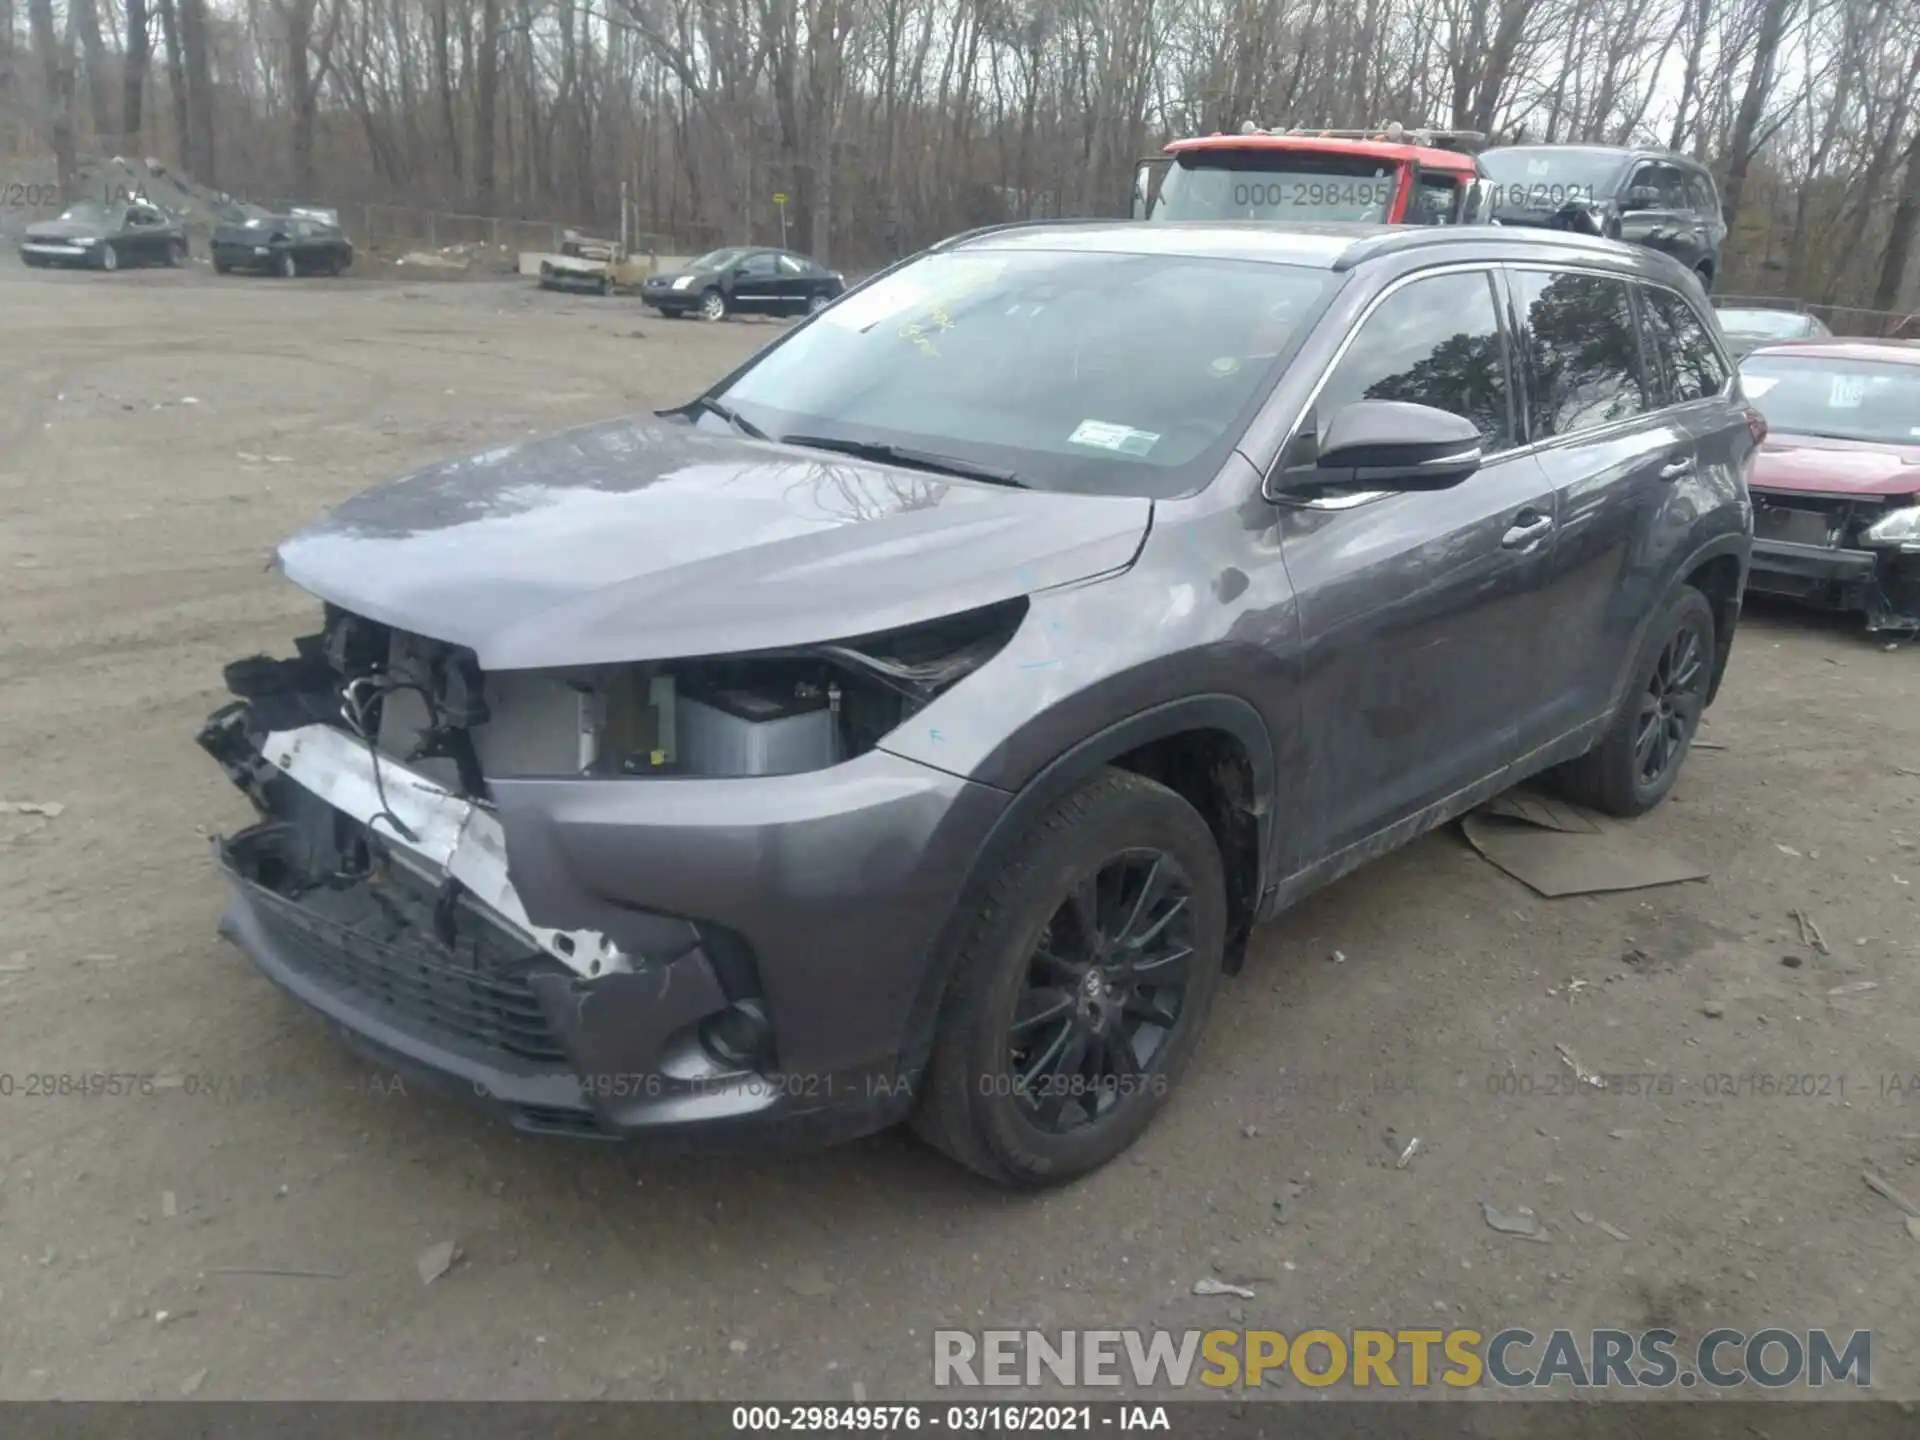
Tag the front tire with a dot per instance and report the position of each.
(1637, 761)
(1083, 980)
(713, 306)
(284, 265)
(109, 257)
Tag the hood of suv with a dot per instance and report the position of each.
(1835, 467)
(642, 539)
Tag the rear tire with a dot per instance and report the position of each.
(1704, 274)
(1118, 1004)
(177, 254)
(285, 266)
(1637, 761)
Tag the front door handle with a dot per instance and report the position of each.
(1528, 526)
(1676, 469)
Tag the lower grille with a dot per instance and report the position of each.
(376, 941)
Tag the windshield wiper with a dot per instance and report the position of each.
(912, 459)
(732, 417)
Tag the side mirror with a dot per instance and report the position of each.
(1643, 197)
(1392, 445)
(1476, 203)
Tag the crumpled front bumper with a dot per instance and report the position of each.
(1884, 586)
(563, 955)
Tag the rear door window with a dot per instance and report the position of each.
(1583, 350)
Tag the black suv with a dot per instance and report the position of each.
(917, 722)
(1647, 197)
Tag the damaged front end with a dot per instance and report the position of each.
(377, 886)
(1840, 552)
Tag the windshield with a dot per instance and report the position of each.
(89, 210)
(1269, 184)
(1111, 373)
(1773, 324)
(716, 259)
(1837, 399)
(1548, 177)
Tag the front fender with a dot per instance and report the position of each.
(1067, 770)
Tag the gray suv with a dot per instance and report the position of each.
(915, 724)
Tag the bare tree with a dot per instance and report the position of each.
(56, 70)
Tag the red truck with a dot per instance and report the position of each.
(1389, 175)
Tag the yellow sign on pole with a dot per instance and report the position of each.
(780, 199)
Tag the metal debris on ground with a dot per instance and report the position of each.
(436, 1260)
(286, 1270)
(193, 1382)
(1580, 1072)
(1614, 1230)
(1713, 1009)
(1855, 987)
(1406, 1155)
(1881, 1186)
(1521, 1222)
(1810, 932)
(49, 808)
(1206, 1285)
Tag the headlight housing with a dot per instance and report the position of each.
(772, 712)
(683, 282)
(1897, 529)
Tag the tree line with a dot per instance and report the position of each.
(887, 123)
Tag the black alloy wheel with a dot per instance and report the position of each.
(1670, 705)
(1104, 990)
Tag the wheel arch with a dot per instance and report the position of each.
(1718, 568)
(1214, 750)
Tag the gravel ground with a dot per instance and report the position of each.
(159, 431)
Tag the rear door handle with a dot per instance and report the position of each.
(1528, 526)
(1675, 469)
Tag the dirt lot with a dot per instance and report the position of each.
(158, 431)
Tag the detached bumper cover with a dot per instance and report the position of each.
(562, 959)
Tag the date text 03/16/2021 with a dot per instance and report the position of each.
(953, 1419)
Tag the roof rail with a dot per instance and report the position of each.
(1423, 237)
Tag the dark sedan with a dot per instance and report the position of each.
(1748, 327)
(743, 281)
(283, 245)
(105, 237)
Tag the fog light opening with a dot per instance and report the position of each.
(739, 1037)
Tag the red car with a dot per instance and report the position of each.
(1836, 486)
(1391, 177)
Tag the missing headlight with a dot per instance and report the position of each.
(790, 711)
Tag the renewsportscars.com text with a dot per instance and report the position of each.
(1510, 1359)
